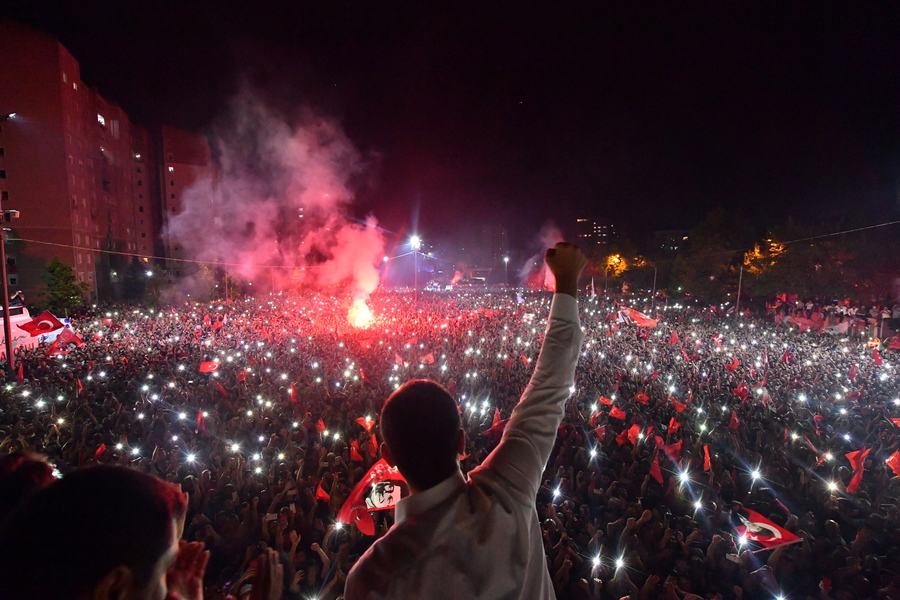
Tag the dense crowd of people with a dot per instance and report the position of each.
(260, 409)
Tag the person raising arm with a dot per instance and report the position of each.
(478, 537)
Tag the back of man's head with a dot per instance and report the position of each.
(21, 474)
(69, 536)
(421, 427)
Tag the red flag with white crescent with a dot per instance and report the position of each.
(893, 462)
(756, 528)
(366, 423)
(43, 323)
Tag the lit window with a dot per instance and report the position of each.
(171, 169)
(101, 119)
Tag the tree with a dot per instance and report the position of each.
(64, 290)
(707, 269)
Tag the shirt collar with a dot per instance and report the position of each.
(424, 501)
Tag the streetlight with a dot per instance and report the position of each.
(7, 328)
(505, 270)
(415, 243)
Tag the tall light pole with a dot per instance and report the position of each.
(506, 270)
(737, 306)
(7, 329)
(415, 242)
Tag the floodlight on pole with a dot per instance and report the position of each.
(415, 242)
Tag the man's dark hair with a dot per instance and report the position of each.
(68, 536)
(21, 474)
(420, 424)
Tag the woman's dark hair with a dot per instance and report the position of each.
(68, 536)
(420, 424)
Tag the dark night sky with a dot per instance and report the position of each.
(643, 112)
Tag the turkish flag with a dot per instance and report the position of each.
(379, 489)
(685, 355)
(655, 471)
(787, 357)
(858, 462)
(366, 423)
(893, 462)
(398, 359)
(876, 356)
(707, 462)
(756, 528)
(742, 391)
(412, 341)
(734, 364)
(734, 422)
(221, 389)
(100, 450)
(605, 401)
(678, 406)
(43, 323)
(373, 445)
(496, 418)
(208, 366)
(895, 421)
(639, 319)
(78, 386)
(858, 458)
(633, 433)
(364, 377)
(321, 494)
(673, 451)
(496, 430)
(354, 452)
(600, 432)
(320, 426)
(292, 392)
(242, 376)
(641, 397)
(674, 338)
(854, 371)
(595, 419)
(617, 412)
(674, 425)
(428, 358)
(201, 424)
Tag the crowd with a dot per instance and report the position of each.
(260, 409)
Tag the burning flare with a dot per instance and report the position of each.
(360, 315)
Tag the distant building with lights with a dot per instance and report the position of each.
(88, 184)
(595, 234)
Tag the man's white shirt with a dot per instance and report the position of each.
(481, 537)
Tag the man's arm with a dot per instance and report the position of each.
(521, 456)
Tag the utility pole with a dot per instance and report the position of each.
(737, 306)
(7, 329)
(653, 294)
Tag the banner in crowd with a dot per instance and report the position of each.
(380, 489)
(639, 319)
